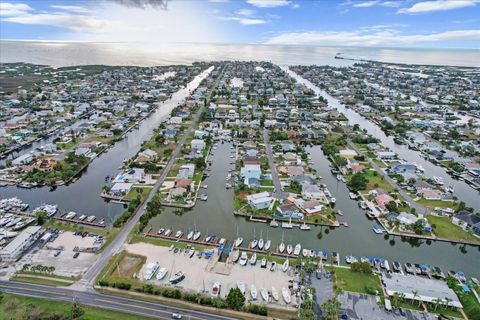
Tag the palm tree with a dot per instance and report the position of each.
(447, 301)
(436, 302)
(415, 295)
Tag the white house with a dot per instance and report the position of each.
(260, 200)
(22, 242)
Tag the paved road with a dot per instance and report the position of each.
(279, 194)
(412, 203)
(143, 308)
(117, 243)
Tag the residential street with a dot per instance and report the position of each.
(278, 193)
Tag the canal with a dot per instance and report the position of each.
(215, 216)
(462, 190)
(83, 196)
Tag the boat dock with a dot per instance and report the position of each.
(61, 218)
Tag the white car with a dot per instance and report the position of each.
(176, 316)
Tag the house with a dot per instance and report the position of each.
(430, 194)
(386, 155)
(146, 156)
(311, 207)
(347, 153)
(183, 183)
(252, 182)
(177, 192)
(198, 145)
(402, 168)
(186, 171)
(290, 210)
(467, 221)
(382, 200)
(23, 159)
(312, 192)
(251, 171)
(135, 175)
(406, 218)
(292, 171)
(260, 200)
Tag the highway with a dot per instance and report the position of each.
(94, 299)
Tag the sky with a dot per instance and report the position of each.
(376, 23)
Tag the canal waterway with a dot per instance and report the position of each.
(83, 196)
(462, 190)
(215, 216)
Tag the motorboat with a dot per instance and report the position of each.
(273, 266)
(267, 245)
(70, 215)
(352, 196)
(253, 259)
(281, 247)
(161, 230)
(397, 267)
(286, 295)
(275, 295)
(177, 277)
(305, 227)
(377, 229)
(287, 225)
(260, 244)
(333, 200)
(263, 263)
(273, 224)
(168, 232)
(264, 294)
(285, 266)
(253, 243)
(162, 272)
(197, 235)
(82, 217)
(298, 248)
(305, 252)
(409, 268)
(216, 289)
(179, 234)
(190, 235)
(235, 255)
(253, 292)
(222, 241)
(191, 252)
(91, 219)
(150, 270)
(238, 241)
(289, 249)
(243, 259)
(241, 286)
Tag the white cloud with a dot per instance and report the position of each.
(379, 38)
(76, 9)
(13, 9)
(269, 3)
(391, 4)
(438, 5)
(365, 4)
(245, 12)
(244, 21)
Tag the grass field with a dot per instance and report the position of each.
(134, 192)
(348, 280)
(446, 230)
(431, 204)
(48, 282)
(376, 181)
(19, 307)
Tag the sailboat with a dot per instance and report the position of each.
(286, 295)
(289, 249)
(235, 255)
(264, 294)
(275, 294)
(268, 243)
(162, 273)
(196, 235)
(298, 248)
(281, 247)
(253, 258)
(190, 235)
(243, 259)
(241, 286)
(239, 240)
(285, 266)
(253, 292)
(176, 277)
(260, 241)
(254, 242)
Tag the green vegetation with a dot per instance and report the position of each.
(132, 206)
(445, 229)
(235, 299)
(37, 280)
(136, 192)
(330, 309)
(349, 280)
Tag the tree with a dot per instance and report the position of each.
(77, 311)
(357, 182)
(330, 309)
(235, 299)
(41, 217)
(415, 295)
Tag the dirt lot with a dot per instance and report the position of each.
(128, 266)
(201, 274)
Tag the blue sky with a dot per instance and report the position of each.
(409, 23)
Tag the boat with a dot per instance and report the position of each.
(243, 259)
(273, 266)
(263, 263)
(177, 277)
(298, 248)
(161, 230)
(289, 249)
(238, 241)
(241, 286)
(203, 197)
(150, 270)
(397, 267)
(275, 295)
(70, 215)
(305, 252)
(286, 295)
(197, 235)
(91, 218)
(305, 227)
(216, 289)
(281, 247)
(352, 196)
(162, 272)
(267, 245)
(253, 243)
(168, 232)
(82, 217)
(339, 177)
(191, 252)
(260, 244)
(253, 259)
(340, 213)
(273, 224)
(287, 225)
(285, 266)
(377, 229)
(264, 294)
(333, 200)
(409, 268)
(190, 235)
(235, 255)
(222, 242)
(179, 234)
(253, 292)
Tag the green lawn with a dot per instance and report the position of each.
(266, 183)
(375, 180)
(447, 230)
(449, 312)
(432, 204)
(348, 280)
(19, 307)
(134, 192)
(48, 282)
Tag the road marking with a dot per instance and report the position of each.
(30, 289)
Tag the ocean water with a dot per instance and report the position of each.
(60, 54)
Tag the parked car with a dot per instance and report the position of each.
(75, 256)
(176, 316)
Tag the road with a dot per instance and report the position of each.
(412, 203)
(117, 244)
(94, 299)
(278, 193)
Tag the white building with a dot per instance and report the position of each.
(22, 242)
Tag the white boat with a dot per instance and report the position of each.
(70, 215)
(273, 224)
(191, 252)
(267, 245)
(260, 244)
(264, 294)
(196, 235)
(150, 270)
(352, 196)
(263, 263)
(216, 289)
(275, 295)
(168, 232)
(82, 217)
(238, 241)
(253, 258)
(281, 247)
(162, 272)
(177, 277)
(241, 286)
(161, 230)
(253, 292)
(298, 248)
(179, 233)
(285, 266)
(333, 200)
(235, 255)
(305, 252)
(253, 243)
(339, 177)
(222, 241)
(305, 227)
(243, 258)
(91, 219)
(286, 295)
(287, 225)
(289, 249)
(190, 235)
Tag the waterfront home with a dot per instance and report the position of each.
(430, 194)
(186, 171)
(382, 200)
(405, 169)
(311, 207)
(347, 153)
(198, 145)
(312, 192)
(183, 183)
(260, 200)
(23, 159)
(135, 175)
(386, 155)
(467, 221)
(290, 210)
(177, 192)
(355, 168)
(292, 171)
(252, 182)
(175, 120)
(405, 218)
(146, 156)
(251, 171)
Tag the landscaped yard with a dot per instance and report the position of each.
(432, 204)
(347, 280)
(376, 180)
(135, 191)
(447, 230)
